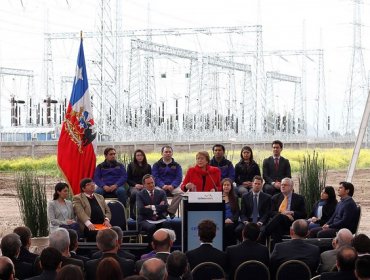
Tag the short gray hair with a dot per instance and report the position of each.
(59, 239)
(10, 245)
(154, 269)
(119, 232)
(106, 239)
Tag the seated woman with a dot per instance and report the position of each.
(135, 172)
(231, 212)
(60, 210)
(202, 177)
(323, 209)
(245, 170)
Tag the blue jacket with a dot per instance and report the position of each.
(110, 174)
(226, 167)
(167, 174)
(343, 216)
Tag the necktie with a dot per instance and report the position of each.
(276, 164)
(152, 197)
(284, 205)
(255, 209)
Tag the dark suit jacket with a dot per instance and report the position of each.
(127, 266)
(66, 261)
(161, 255)
(269, 173)
(23, 270)
(295, 249)
(343, 215)
(264, 207)
(297, 205)
(246, 251)
(121, 253)
(206, 253)
(338, 275)
(79, 257)
(45, 275)
(327, 211)
(26, 256)
(143, 199)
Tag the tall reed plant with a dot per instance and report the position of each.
(32, 202)
(312, 178)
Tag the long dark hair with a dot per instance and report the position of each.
(58, 188)
(329, 190)
(136, 165)
(231, 195)
(247, 148)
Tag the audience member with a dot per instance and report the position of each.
(245, 170)
(25, 235)
(323, 209)
(168, 175)
(256, 205)
(361, 243)
(121, 252)
(161, 244)
(70, 272)
(51, 262)
(60, 209)
(178, 266)
(135, 173)
(90, 209)
(73, 246)
(275, 168)
(296, 248)
(6, 269)
(10, 247)
(109, 269)
(248, 250)
(328, 258)
(110, 176)
(346, 259)
(362, 267)
(343, 216)
(226, 167)
(232, 225)
(107, 242)
(59, 239)
(154, 269)
(152, 206)
(206, 252)
(287, 207)
(202, 177)
(152, 253)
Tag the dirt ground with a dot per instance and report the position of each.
(10, 216)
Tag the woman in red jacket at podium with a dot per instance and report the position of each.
(202, 177)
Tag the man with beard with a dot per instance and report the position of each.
(110, 176)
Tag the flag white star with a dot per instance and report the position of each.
(78, 74)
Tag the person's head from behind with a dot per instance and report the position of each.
(107, 240)
(25, 235)
(109, 268)
(299, 229)
(59, 239)
(73, 239)
(51, 259)
(11, 245)
(362, 267)
(251, 231)
(70, 272)
(346, 258)
(177, 264)
(154, 269)
(6, 268)
(361, 243)
(207, 231)
(344, 237)
(161, 241)
(328, 194)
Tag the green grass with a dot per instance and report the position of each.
(335, 159)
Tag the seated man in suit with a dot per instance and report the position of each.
(178, 266)
(248, 250)
(25, 235)
(206, 252)
(110, 176)
(154, 269)
(152, 206)
(51, 262)
(342, 216)
(6, 269)
(73, 245)
(256, 205)
(287, 207)
(362, 267)
(275, 168)
(346, 260)
(107, 242)
(90, 209)
(296, 249)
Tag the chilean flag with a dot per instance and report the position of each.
(77, 143)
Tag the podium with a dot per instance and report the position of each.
(198, 206)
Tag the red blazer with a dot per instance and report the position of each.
(194, 175)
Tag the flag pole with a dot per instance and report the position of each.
(81, 34)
